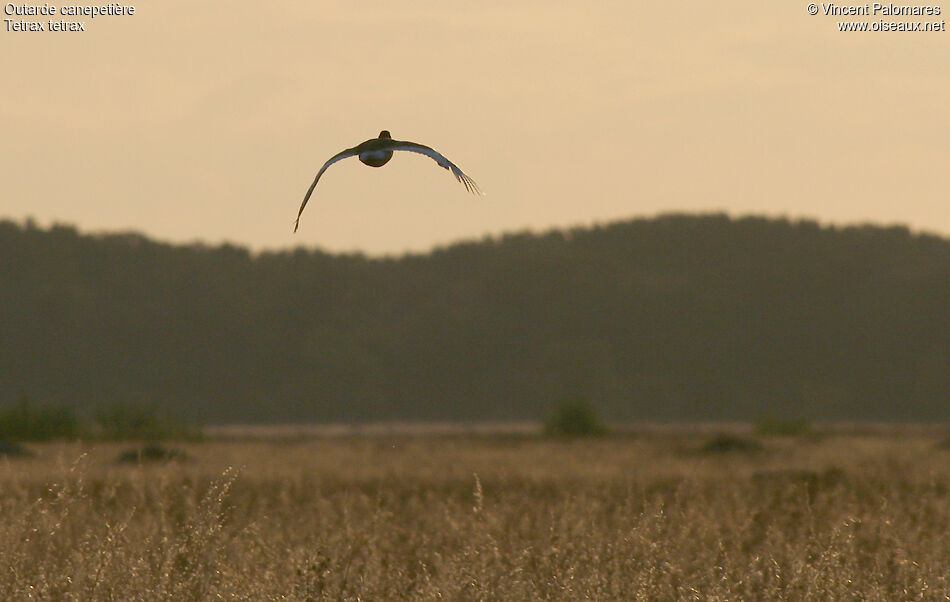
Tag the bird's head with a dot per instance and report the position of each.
(384, 134)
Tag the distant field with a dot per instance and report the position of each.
(856, 512)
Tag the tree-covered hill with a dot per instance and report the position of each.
(674, 318)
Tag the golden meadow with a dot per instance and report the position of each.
(653, 513)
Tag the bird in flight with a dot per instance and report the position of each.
(376, 152)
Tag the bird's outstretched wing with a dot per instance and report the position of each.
(466, 181)
(337, 157)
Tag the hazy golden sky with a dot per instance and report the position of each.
(208, 120)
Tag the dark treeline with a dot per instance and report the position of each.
(674, 318)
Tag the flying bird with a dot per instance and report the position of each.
(376, 152)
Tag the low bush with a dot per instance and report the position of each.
(725, 444)
(574, 417)
(152, 452)
(28, 421)
(144, 422)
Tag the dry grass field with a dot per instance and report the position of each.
(849, 515)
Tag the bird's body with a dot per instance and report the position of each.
(377, 152)
(376, 158)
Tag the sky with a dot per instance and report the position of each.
(207, 121)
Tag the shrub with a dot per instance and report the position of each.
(12, 449)
(151, 453)
(574, 417)
(124, 421)
(27, 421)
(725, 444)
